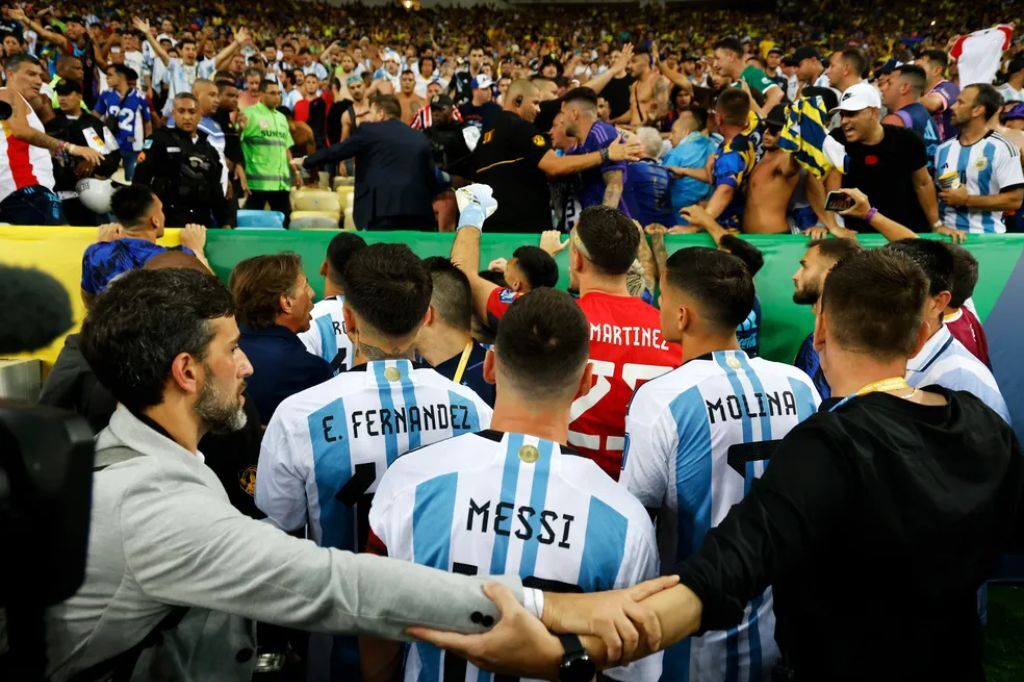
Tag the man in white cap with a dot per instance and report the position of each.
(887, 163)
(480, 110)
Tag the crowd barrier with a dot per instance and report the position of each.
(999, 296)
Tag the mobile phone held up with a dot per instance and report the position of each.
(837, 201)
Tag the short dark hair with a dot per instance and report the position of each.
(131, 203)
(144, 320)
(759, 59)
(187, 41)
(494, 277)
(389, 287)
(610, 239)
(581, 94)
(986, 96)
(913, 74)
(874, 302)
(745, 251)
(937, 57)
(187, 96)
(123, 71)
(965, 275)
(700, 114)
(542, 344)
(451, 297)
(540, 268)
(15, 61)
(388, 104)
(734, 106)
(257, 284)
(855, 57)
(266, 83)
(932, 257)
(343, 246)
(720, 282)
(731, 44)
(835, 249)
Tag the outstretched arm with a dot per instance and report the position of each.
(143, 26)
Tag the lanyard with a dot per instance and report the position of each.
(463, 361)
(884, 385)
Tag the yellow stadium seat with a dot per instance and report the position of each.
(315, 200)
(345, 196)
(350, 224)
(314, 220)
(341, 181)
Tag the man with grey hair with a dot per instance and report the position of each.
(646, 191)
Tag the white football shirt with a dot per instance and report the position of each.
(327, 447)
(326, 337)
(696, 438)
(989, 166)
(504, 503)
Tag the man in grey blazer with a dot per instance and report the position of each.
(175, 575)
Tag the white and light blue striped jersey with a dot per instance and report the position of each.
(989, 166)
(326, 337)
(508, 504)
(696, 438)
(327, 447)
(946, 362)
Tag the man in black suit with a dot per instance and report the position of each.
(395, 177)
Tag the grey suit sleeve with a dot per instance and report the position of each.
(184, 545)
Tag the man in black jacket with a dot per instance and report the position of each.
(875, 521)
(72, 124)
(395, 174)
(184, 170)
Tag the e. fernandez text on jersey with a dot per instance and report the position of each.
(385, 421)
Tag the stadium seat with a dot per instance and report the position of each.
(345, 193)
(315, 200)
(314, 220)
(270, 220)
(350, 223)
(341, 181)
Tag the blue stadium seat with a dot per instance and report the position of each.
(270, 220)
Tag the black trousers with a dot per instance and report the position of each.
(278, 201)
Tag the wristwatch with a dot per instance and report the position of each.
(576, 663)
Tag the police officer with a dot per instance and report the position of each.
(451, 141)
(73, 124)
(184, 170)
(516, 161)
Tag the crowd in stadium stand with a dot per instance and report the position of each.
(469, 416)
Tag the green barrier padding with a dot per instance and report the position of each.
(784, 324)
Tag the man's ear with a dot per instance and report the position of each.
(186, 373)
(351, 325)
(284, 304)
(429, 317)
(923, 334)
(820, 325)
(323, 269)
(586, 381)
(942, 300)
(490, 371)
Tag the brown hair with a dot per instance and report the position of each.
(874, 301)
(388, 104)
(734, 106)
(257, 284)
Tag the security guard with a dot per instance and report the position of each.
(71, 124)
(184, 170)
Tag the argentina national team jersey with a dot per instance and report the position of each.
(508, 504)
(692, 452)
(946, 362)
(327, 447)
(326, 337)
(987, 167)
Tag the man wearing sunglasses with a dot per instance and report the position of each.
(773, 182)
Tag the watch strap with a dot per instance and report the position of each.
(571, 645)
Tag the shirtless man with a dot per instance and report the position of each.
(771, 184)
(360, 110)
(648, 96)
(410, 101)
